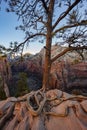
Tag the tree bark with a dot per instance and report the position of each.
(6, 90)
(6, 75)
(47, 64)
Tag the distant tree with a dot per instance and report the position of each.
(2, 92)
(3, 50)
(12, 50)
(22, 86)
(64, 20)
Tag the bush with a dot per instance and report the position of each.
(76, 61)
(2, 93)
(22, 86)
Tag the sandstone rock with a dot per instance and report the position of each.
(67, 76)
(67, 112)
(67, 72)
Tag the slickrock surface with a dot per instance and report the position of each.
(40, 110)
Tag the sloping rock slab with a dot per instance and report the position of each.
(60, 111)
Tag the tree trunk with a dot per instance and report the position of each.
(6, 75)
(47, 64)
(6, 90)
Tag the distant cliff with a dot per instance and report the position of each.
(69, 72)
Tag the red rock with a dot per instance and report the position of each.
(67, 115)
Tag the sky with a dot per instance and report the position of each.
(8, 33)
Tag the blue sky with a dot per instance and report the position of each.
(8, 22)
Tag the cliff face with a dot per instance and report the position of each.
(41, 110)
(69, 76)
(67, 73)
(33, 69)
(5, 76)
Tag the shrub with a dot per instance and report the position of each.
(2, 93)
(76, 61)
(22, 86)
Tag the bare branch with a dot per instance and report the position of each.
(44, 5)
(82, 23)
(67, 50)
(40, 19)
(30, 37)
(66, 12)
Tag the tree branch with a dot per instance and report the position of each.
(40, 19)
(82, 23)
(66, 12)
(44, 5)
(67, 50)
(30, 37)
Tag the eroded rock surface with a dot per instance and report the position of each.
(60, 111)
(68, 72)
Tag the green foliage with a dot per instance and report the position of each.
(22, 86)
(76, 92)
(2, 93)
(76, 61)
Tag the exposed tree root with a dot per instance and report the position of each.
(58, 114)
(29, 111)
(36, 102)
(6, 116)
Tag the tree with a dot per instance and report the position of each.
(13, 50)
(2, 92)
(50, 19)
(22, 86)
